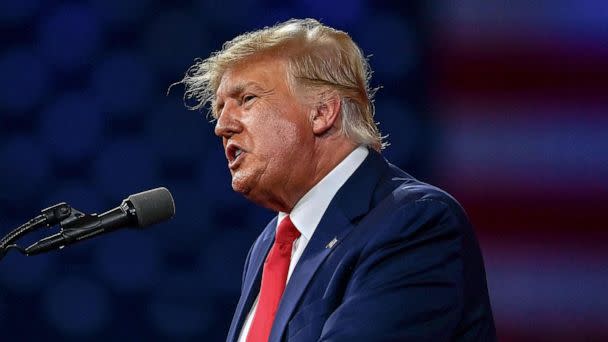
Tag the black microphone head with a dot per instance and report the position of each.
(152, 206)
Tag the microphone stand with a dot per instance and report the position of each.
(48, 217)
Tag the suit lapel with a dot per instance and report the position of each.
(351, 202)
(332, 226)
(251, 285)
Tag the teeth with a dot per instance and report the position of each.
(237, 153)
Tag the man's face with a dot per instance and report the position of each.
(266, 132)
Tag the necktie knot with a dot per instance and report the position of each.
(287, 232)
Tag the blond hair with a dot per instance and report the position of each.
(318, 57)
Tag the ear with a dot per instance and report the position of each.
(325, 114)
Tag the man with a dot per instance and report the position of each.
(360, 250)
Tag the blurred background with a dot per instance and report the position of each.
(503, 104)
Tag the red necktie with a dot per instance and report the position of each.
(274, 278)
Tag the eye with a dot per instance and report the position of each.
(248, 98)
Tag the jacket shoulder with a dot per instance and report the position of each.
(403, 190)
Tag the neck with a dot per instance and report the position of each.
(324, 159)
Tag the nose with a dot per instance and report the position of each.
(227, 123)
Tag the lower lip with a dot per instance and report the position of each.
(237, 161)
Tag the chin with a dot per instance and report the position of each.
(243, 182)
(240, 187)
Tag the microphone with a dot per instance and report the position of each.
(136, 211)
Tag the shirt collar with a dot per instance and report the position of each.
(309, 210)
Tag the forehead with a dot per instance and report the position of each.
(263, 73)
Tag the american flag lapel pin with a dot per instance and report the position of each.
(332, 243)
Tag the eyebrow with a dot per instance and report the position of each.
(237, 90)
(241, 87)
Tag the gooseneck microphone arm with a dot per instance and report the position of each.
(47, 218)
(136, 211)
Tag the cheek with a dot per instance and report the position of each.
(286, 134)
(277, 135)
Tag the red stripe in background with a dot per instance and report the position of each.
(511, 68)
(514, 212)
(539, 215)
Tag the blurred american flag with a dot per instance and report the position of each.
(521, 89)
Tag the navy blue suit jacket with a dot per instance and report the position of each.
(406, 267)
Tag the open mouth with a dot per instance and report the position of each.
(234, 154)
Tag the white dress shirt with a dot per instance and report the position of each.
(308, 212)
